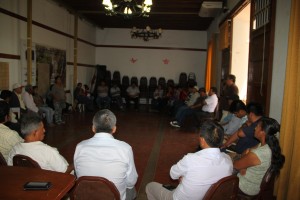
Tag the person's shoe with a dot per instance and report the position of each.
(175, 124)
(62, 122)
(58, 123)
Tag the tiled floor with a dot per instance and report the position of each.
(156, 145)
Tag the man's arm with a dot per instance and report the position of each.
(239, 133)
(131, 174)
(179, 169)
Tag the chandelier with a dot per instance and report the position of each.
(145, 34)
(127, 8)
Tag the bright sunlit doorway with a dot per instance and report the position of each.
(240, 50)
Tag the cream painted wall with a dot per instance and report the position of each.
(240, 50)
(150, 61)
(50, 14)
(282, 21)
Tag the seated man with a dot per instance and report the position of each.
(30, 104)
(245, 135)
(103, 100)
(238, 109)
(133, 93)
(8, 137)
(47, 157)
(12, 122)
(115, 93)
(16, 100)
(80, 97)
(208, 108)
(187, 107)
(197, 171)
(104, 156)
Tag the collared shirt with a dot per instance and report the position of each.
(193, 98)
(234, 124)
(22, 104)
(29, 103)
(211, 103)
(115, 91)
(104, 156)
(46, 156)
(133, 91)
(199, 171)
(8, 139)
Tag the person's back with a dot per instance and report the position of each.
(104, 156)
(196, 172)
(202, 169)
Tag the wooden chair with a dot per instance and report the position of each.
(226, 188)
(2, 160)
(92, 188)
(266, 188)
(25, 161)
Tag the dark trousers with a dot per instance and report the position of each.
(135, 100)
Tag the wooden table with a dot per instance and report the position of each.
(12, 180)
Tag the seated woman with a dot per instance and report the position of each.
(256, 161)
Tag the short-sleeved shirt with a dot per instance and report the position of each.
(211, 103)
(199, 171)
(250, 182)
(249, 140)
(59, 92)
(46, 156)
(8, 139)
(133, 91)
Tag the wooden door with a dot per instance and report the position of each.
(261, 52)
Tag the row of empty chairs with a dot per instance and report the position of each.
(184, 79)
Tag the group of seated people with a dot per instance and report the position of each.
(104, 156)
(105, 96)
(256, 150)
(21, 101)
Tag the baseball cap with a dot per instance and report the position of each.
(17, 85)
(196, 87)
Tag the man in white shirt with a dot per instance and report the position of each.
(8, 137)
(133, 93)
(208, 108)
(104, 156)
(46, 156)
(30, 104)
(196, 171)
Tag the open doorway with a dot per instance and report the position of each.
(240, 50)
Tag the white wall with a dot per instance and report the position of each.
(150, 61)
(50, 14)
(240, 50)
(283, 10)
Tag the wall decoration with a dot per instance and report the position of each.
(133, 60)
(56, 58)
(166, 61)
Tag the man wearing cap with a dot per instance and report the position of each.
(16, 99)
(208, 107)
(194, 95)
(30, 104)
